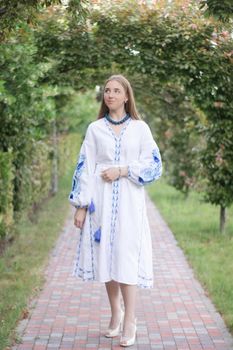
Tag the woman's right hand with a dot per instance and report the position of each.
(79, 217)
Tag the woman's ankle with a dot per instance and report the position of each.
(116, 318)
(129, 319)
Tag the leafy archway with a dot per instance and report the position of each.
(179, 63)
(158, 47)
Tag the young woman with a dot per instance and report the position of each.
(118, 157)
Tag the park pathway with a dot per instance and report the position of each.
(175, 314)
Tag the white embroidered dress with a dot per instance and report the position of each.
(115, 241)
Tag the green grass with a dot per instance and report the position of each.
(195, 225)
(22, 265)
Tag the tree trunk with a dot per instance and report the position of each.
(222, 218)
(54, 182)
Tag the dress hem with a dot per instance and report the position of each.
(91, 279)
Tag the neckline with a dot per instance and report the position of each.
(122, 129)
(117, 122)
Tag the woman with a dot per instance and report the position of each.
(117, 158)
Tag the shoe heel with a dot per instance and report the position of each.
(125, 341)
(116, 331)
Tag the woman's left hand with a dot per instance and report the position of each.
(110, 174)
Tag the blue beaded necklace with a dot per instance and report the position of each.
(107, 116)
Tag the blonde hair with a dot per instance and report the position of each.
(130, 106)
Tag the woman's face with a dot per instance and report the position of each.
(114, 95)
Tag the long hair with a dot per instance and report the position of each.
(130, 106)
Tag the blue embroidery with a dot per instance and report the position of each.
(91, 207)
(78, 254)
(80, 162)
(152, 172)
(144, 282)
(92, 247)
(148, 175)
(115, 188)
(79, 165)
(129, 172)
(97, 235)
(76, 186)
(156, 155)
(86, 274)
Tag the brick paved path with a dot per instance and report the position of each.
(176, 314)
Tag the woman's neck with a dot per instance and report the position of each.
(117, 115)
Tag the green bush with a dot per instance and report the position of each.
(6, 192)
(68, 150)
(34, 177)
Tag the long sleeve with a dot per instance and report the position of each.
(81, 192)
(148, 167)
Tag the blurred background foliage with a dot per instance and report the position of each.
(53, 55)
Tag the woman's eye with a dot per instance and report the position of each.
(108, 91)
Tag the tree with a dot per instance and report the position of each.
(15, 12)
(223, 10)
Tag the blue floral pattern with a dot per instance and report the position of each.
(76, 184)
(156, 155)
(153, 172)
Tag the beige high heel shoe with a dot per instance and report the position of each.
(114, 332)
(126, 341)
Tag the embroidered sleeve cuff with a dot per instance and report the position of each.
(128, 172)
(81, 206)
